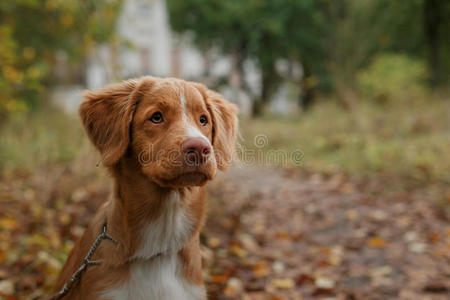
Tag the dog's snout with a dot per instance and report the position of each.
(196, 150)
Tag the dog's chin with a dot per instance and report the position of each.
(186, 179)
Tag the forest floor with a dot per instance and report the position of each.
(270, 234)
(286, 234)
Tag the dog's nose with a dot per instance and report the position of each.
(196, 150)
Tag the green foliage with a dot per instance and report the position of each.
(265, 30)
(393, 77)
(332, 39)
(33, 33)
(363, 29)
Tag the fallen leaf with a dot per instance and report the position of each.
(324, 283)
(410, 236)
(248, 242)
(7, 287)
(335, 255)
(376, 242)
(219, 278)
(282, 235)
(283, 283)
(234, 287)
(64, 218)
(261, 269)
(418, 248)
(278, 267)
(352, 214)
(8, 223)
(304, 278)
(238, 251)
(434, 237)
(213, 242)
(380, 272)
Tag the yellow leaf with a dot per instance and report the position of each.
(8, 223)
(376, 242)
(238, 251)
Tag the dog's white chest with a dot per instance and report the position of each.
(157, 279)
(169, 232)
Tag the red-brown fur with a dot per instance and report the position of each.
(116, 121)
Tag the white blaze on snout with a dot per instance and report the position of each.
(190, 129)
(183, 108)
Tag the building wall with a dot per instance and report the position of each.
(149, 48)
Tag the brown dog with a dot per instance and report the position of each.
(162, 140)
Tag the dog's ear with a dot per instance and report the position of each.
(225, 124)
(107, 114)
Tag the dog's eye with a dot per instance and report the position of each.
(203, 120)
(157, 118)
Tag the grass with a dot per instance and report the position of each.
(407, 140)
(34, 140)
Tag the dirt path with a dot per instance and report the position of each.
(282, 234)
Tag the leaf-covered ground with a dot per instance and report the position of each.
(283, 234)
(270, 234)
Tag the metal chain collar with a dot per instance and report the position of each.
(87, 262)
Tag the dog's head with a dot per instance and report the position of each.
(177, 132)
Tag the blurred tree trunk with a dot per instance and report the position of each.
(238, 56)
(432, 23)
(307, 90)
(269, 81)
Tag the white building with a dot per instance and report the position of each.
(150, 48)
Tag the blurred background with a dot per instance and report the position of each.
(359, 88)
